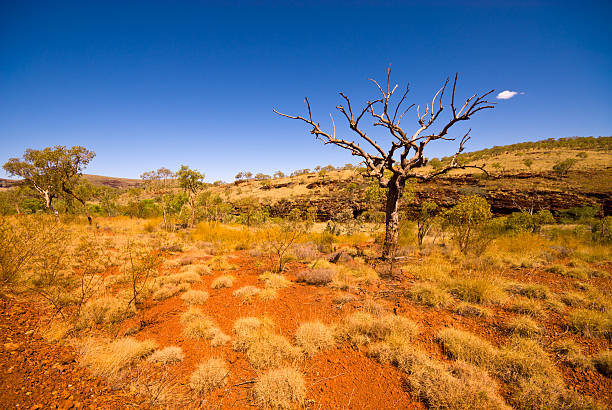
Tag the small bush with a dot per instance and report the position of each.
(220, 263)
(430, 295)
(313, 337)
(603, 363)
(105, 310)
(523, 359)
(458, 386)
(283, 388)
(209, 375)
(532, 291)
(305, 251)
(224, 281)
(167, 355)
(321, 276)
(602, 230)
(267, 294)
(195, 297)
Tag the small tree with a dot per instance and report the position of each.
(52, 172)
(192, 182)
(561, 168)
(159, 183)
(425, 220)
(398, 163)
(466, 221)
(528, 163)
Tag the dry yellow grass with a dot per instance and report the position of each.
(465, 346)
(195, 297)
(262, 346)
(108, 359)
(178, 278)
(524, 326)
(223, 281)
(104, 310)
(198, 326)
(169, 290)
(167, 355)
(313, 337)
(362, 328)
(283, 388)
(430, 295)
(274, 280)
(246, 292)
(210, 375)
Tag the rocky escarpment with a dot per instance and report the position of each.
(506, 194)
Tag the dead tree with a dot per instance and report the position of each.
(394, 166)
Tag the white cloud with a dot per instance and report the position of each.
(506, 95)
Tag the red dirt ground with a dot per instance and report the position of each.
(37, 375)
(35, 372)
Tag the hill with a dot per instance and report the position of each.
(519, 176)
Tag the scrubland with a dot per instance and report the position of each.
(205, 317)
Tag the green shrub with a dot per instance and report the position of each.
(466, 222)
(602, 230)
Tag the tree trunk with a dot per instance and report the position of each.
(48, 200)
(394, 194)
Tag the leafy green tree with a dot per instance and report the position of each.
(529, 222)
(528, 162)
(192, 183)
(159, 183)
(561, 168)
(52, 172)
(467, 220)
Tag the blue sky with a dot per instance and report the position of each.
(151, 84)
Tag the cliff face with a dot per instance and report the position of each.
(506, 194)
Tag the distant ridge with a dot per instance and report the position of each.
(98, 180)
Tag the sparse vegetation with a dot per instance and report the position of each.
(530, 305)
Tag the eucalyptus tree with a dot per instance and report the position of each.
(192, 183)
(53, 172)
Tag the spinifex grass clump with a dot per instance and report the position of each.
(210, 375)
(283, 388)
(262, 346)
(198, 326)
(167, 355)
(224, 281)
(313, 337)
(362, 328)
(108, 359)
